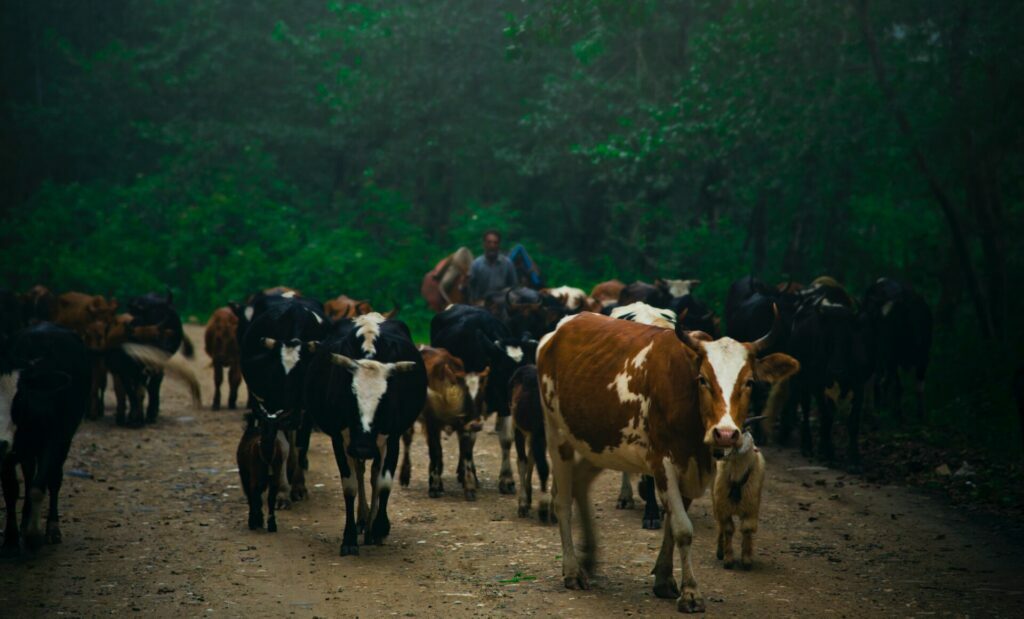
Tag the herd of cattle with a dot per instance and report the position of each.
(636, 378)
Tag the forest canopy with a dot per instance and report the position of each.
(219, 147)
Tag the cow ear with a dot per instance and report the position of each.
(344, 362)
(485, 372)
(776, 367)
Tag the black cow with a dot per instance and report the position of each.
(829, 338)
(698, 316)
(45, 373)
(12, 318)
(901, 331)
(653, 295)
(275, 352)
(531, 442)
(525, 311)
(481, 340)
(749, 313)
(365, 387)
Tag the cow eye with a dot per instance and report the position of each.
(750, 384)
(703, 382)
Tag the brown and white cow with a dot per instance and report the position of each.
(222, 347)
(643, 399)
(344, 306)
(573, 299)
(607, 293)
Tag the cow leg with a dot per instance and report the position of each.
(436, 486)
(218, 377)
(727, 528)
(652, 512)
(470, 482)
(506, 484)
(234, 380)
(363, 510)
(562, 456)
(35, 488)
(249, 479)
(583, 475)
(381, 525)
(826, 414)
(346, 468)
(748, 526)
(405, 470)
(153, 389)
(853, 430)
(625, 493)
(55, 479)
(524, 462)
(120, 408)
(897, 388)
(665, 586)
(919, 393)
(9, 480)
(806, 441)
(99, 386)
(134, 391)
(539, 455)
(285, 444)
(299, 463)
(690, 600)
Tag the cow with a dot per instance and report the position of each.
(901, 330)
(572, 299)
(455, 402)
(38, 304)
(90, 316)
(262, 457)
(366, 385)
(275, 353)
(257, 303)
(221, 339)
(657, 296)
(45, 372)
(739, 481)
(480, 340)
(829, 339)
(12, 318)
(445, 284)
(607, 293)
(531, 443)
(344, 306)
(525, 311)
(643, 399)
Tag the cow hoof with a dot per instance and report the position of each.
(507, 486)
(470, 495)
(53, 535)
(283, 503)
(719, 554)
(747, 564)
(403, 479)
(34, 542)
(435, 493)
(547, 517)
(135, 422)
(349, 549)
(215, 407)
(666, 590)
(523, 511)
(232, 405)
(652, 524)
(690, 602)
(728, 564)
(577, 582)
(299, 493)
(587, 562)
(855, 469)
(625, 504)
(10, 547)
(272, 526)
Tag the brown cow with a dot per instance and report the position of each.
(607, 293)
(91, 316)
(345, 306)
(222, 348)
(643, 399)
(445, 283)
(455, 403)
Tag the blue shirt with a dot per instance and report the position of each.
(486, 277)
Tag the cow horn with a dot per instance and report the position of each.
(769, 338)
(395, 308)
(344, 362)
(269, 342)
(403, 366)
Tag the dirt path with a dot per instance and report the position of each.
(155, 523)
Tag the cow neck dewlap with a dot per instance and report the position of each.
(8, 388)
(727, 358)
(369, 382)
(368, 328)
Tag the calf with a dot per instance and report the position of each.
(480, 340)
(344, 306)
(365, 387)
(455, 402)
(262, 464)
(531, 443)
(222, 348)
(607, 293)
(647, 400)
(737, 492)
(44, 393)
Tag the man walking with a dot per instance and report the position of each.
(492, 271)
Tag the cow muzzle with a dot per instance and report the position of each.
(726, 437)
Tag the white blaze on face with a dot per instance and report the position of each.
(514, 353)
(368, 328)
(727, 358)
(249, 311)
(8, 389)
(290, 294)
(369, 382)
(290, 357)
(473, 384)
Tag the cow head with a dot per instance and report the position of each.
(369, 386)
(727, 373)
(269, 423)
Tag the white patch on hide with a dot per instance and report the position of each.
(728, 358)
(887, 308)
(290, 294)
(645, 314)
(8, 389)
(369, 383)
(290, 357)
(514, 353)
(368, 328)
(473, 384)
(249, 311)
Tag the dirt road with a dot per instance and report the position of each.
(155, 523)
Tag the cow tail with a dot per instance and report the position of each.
(156, 359)
(186, 344)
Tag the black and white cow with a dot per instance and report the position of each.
(275, 352)
(45, 372)
(481, 340)
(365, 387)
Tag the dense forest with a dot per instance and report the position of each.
(219, 147)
